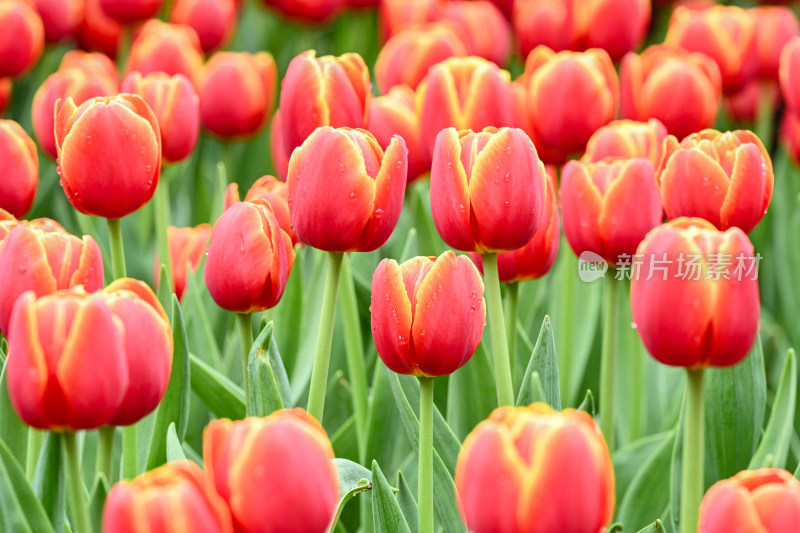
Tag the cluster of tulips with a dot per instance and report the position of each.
(612, 143)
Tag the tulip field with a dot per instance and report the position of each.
(399, 266)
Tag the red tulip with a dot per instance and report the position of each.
(482, 27)
(627, 139)
(345, 193)
(395, 114)
(98, 31)
(790, 134)
(9, 222)
(307, 10)
(93, 63)
(694, 294)
(416, 334)
(176, 107)
(173, 498)
(399, 15)
(20, 173)
(790, 74)
(60, 18)
(743, 105)
(169, 48)
(213, 20)
(237, 93)
(725, 178)
(487, 189)
(187, 246)
(127, 11)
(23, 37)
(249, 259)
(774, 27)
(275, 473)
(535, 470)
(550, 23)
(616, 26)
(765, 500)
(272, 191)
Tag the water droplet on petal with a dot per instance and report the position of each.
(379, 213)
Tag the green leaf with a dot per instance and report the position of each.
(405, 497)
(97, 499)
(655, 527)
(174, 408)
(544, 361)
(382, 421)
(198, 321)
(13, 431)
(174, 446)
(21, 509)
(222, 396)
(265, 395)
(164, 291)
(778, 435)
(49, 483)
(534, 392)
(353, 480)
(471, 395)
(587, 405)
(409, 247)
(387, 517)
(629, 459)
(288, 314)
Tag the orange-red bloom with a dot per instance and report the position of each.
(682, 90)
(790, 134)
(275, 473)
(213, 20)
(272, 191)
(399, 15)
(765, 500)
(237, 93)
(109, 154)
(725, 178)
(249, 259)
(61, 18)
(694, 294)
(790, 74)
(482, 27)
(428, 313)
(186, 248)
(535, 470)
(308, 10)
(550, 23)
(487, 189)
(98, 31)
(743, 105)
(176, 106)
(23, 37)
(774, 27)
(627, 138)
(20, 169)
(395, 114)
(616, 26)
(345, 193)
(168, 48)
(173, 498)
(127, 11)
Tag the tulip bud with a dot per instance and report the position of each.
(550, 23)
(487, 189)
(535, 470)
(127, 11)
(570, 96)
(249, 259)
(725, 178)
(694, 296)
(169, 48)
(774, 27)
(187, 247)
(326, 91)
(176, 107)
(213, 20)
(173, 498)
(60, 18)
(680, 89)
(416, 334)
(22, 47)
(790, 74)
(94, 63)
(20, 171)
(482, 27)
(395, 114)
(276, 473)
(407, 55)
(109, 154)
(765, 500)
(743, 106)
(237, 93)
(307, 10)
(627, 139)
(276, 194)
(535, 259)
(464, 93)
(398, 15)
(616, 26)
(726, 34)
(43, 258)
(99, 31)
(345, 193)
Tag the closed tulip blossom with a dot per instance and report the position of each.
(169, 499)
(765, 500)
(394, 114)
(627, 139)
(168, 48)
(790, 134)
(725, 178)
(275, 473)
(23, 40)
(187, 247)
(398, 15)
(790, 75)
(127, 11)
(213, 20)
(307, 10)
(98, 31)
(482, 27)
(60, 18)
(428, 313)
(20, 172)
(551, 23)
(616, 26)
(109, 154)
(272, 191)
(774, 27)
(535, 470)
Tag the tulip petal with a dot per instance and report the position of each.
(581, 206)
(392, 316)
(450, 198)
(778, 506)
(728, 508)
(744, 203)
(694, 185)
(302, 99)
(390, 188)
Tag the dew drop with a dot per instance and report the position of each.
(428, 305)
(142, 149)
(461, 208)
(399, 164)
(439, 288)
(352, 195)
(507, 177)
(507, 203)
(449, 164)
(634, 325)
(379, 213)
(422, 333)
(508, 149)
(402, 340)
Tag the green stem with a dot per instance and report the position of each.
(35, 439)
(117, 249)
(608, 359)
(124, 47)
(105, 450)
(425, 472)
(130, 458)
(322, 355)
(246, 340)
(80, 510)
(765, 116)
(497, 328)
(354, 349)
(637, 390)
(693, 452)
(162, 217)
(512, 304)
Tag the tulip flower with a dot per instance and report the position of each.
(284, 481)
(482, 27)
(213, 20)
(535, 470)
(726, 34)
(506, 6)
(307, 10)
(790, 74)
(109, 154)
(99, 31)
(725, 178)
(60, 18)
(94, 63)
(398, 15)
(43, 258)
(172, 498)
(187, 247)
(550, 23)
(169, 48)
(464, 93)
(774, 27)
(395, 114)
(237, 92)
(20, 173)
(616, 26)
(407, 56)
(326, 91)
(24, 42)
(680, 89)
(272, 191)
(8, 222)
(765, 500)
(790, 134)
(744, 105)
(627, 139)
(127, 11)
(570, 96)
